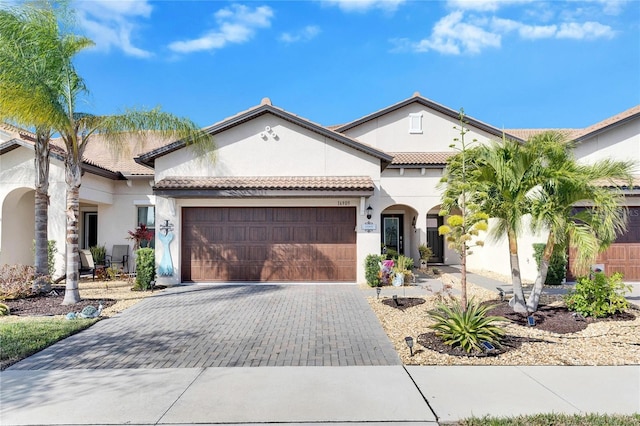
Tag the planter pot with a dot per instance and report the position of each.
(423, 264)
(398, 280)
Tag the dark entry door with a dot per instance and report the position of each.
(434, 240)
(393, 232)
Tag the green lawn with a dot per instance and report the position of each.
(556, 420)
(19, 339)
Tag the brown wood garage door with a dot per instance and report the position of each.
(268, 244)
(624, 254)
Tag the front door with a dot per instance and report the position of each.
(393, 232)
(435, 240)
(90, 229)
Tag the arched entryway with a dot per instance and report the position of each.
(398, 230)
(18, 227)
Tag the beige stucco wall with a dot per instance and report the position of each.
(391, 131)
(295, 152)
(17, 216)
(620, 143)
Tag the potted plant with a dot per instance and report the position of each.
(425, 254)
(141, 236)
(400, 270)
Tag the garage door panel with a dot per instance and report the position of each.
(269, 244)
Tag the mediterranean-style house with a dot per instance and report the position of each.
(287, 199)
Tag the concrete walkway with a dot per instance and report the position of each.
(295, 354)
(326, 395)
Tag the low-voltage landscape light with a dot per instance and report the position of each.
(409, 342)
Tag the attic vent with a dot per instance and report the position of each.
(415, 122)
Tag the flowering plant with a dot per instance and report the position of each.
(141, 234)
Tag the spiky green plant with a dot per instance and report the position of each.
(467, 326)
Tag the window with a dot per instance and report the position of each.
(415, 122)
(147, 217)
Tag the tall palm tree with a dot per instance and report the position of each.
(56, 107)
(506, 174)
(564, 185)
(30, 55)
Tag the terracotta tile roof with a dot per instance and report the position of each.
(420, 158)
(525, 134)
(631, 112)
(322, 183)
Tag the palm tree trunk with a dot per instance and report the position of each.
(41, 163)
(72, 178)
(534, 297)
(518, 302)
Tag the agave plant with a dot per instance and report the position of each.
(466, 328)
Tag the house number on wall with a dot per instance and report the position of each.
(344, 203)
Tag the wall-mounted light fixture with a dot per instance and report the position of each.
(413, 222)
(369, 212)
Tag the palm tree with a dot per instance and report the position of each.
(564, 185)
(506, 174)
(56, 107)
(30, 55)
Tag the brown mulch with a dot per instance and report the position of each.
(554, 318)
(51, 304)
(551, 318)
(403, 303)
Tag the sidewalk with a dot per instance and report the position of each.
(320, 395)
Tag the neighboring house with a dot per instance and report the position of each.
(286, 200)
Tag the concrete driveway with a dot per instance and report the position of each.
(230, 326)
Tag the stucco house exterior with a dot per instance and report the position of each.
(287, 199)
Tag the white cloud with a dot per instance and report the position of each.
(585, 30)
(452, 36)
(365, 5)
(111, 24)
(525, 31)
(482, 5)
(307, 33)
(236, 24)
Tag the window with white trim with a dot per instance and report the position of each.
(415, 122)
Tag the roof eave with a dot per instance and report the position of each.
(606, 128)
(260, 193)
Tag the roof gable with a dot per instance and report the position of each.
(417, 98)
(266, 107)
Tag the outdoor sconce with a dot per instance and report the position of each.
(369, 212)
(413, 222)
(409, 342)
(378, 289)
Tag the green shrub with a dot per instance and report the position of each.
(391, 254)
(52, 250)
(16, 281)
(145, 268)
(599, 297)
(557, 263)
(466, 328)
(425, 252)
(372, 269)
(98, 253)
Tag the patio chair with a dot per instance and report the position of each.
(119, 258)
(87, 264)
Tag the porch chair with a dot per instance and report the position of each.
(87, 264)
(119, 258)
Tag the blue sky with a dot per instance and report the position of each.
(512, 64)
